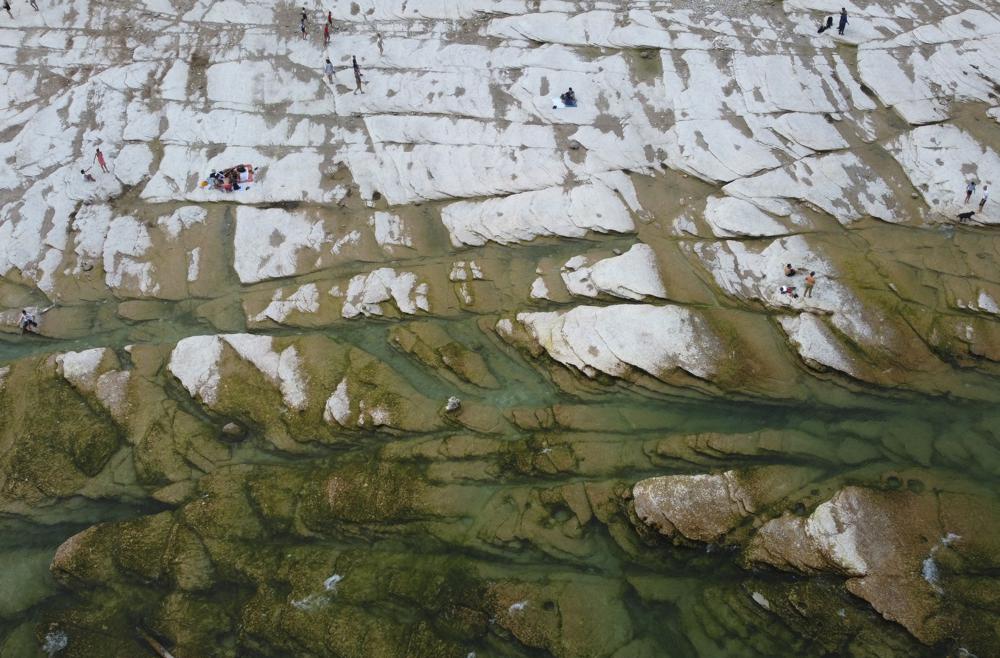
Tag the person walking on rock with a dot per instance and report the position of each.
(6, 6)
(34, 5)
(302, 27)
(329, 18)
(970, 190)
(328, 69)
(843, 21)
(810, 282)
(100, 160)
(27, 323)
(326, 34)
(357, 74)
(986, 195)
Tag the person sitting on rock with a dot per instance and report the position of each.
(788, 290)
(87, 177)
(789, 270)
(568, 98)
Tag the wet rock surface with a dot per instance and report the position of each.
(464, 371)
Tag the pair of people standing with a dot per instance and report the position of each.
(328, 69)
(970, 189)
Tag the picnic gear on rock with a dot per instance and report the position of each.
(232, 179)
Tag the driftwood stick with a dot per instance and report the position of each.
(154, 645)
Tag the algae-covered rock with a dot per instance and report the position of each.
(707, 507)
(581, 618)
(435, 348)
(53, 439)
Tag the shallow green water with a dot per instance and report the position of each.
(678, 601)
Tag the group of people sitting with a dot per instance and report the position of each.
(229, 180)
(791, 290)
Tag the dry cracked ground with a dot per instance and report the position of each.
(235, 432)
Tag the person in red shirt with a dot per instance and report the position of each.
(100, 160)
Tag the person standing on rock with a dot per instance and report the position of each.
(843, 22)
(329, 18)
(357, 74)
(328, 69)
(302, 27)
(326, 34)
(6, 6)
(99, 156)
(986, 195)
(34, 5)
(970, 190)
(810, 282)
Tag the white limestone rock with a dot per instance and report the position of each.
(269, 243)
(196, 360)
(840, 184)
(615, 339)
(753, 272)
(921, 72)
(126, 263)
(390, 231)
(730, 217)
(810, 130)
(816, 344)
(295, 175)
(637, 29)
(367, 292)
(338, 405)
(716, 150)
(133, 163)
(940, 160)
(81, 368)
(539, 290)
(304, 299)
(633, 275)
(554, 211)
(465, 271)
(181, 220)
